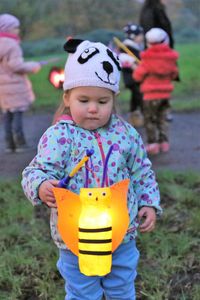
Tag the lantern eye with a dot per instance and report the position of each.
(90, 194)
(104, 194)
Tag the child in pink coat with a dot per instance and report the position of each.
(155, 73)
(16, 90)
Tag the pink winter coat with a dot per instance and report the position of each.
(156, 71)
(15, 88)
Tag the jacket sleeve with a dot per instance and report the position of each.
(143, 177)
(49, 163)
(16, 61)
(140, 72)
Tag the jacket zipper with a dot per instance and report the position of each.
(99, 142)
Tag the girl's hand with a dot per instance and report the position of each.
(134, 65)
(46, 194)
(149, 216)
(36, 69)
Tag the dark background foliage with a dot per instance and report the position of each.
(48, 22)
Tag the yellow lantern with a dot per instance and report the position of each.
(93, 224)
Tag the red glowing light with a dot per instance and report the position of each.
(56, 77)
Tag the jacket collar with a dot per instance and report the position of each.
(10, 35)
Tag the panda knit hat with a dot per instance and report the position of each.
(91, 64)
(8, 22)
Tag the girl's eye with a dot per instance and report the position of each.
(83, 100)
(104, 101)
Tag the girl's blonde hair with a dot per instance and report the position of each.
(61, 110)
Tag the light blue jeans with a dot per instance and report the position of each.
(118, 284)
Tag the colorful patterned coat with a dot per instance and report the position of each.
(63, 145)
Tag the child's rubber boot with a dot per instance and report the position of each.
(153, 148)
(164, 147)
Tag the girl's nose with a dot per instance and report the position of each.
(92, 108)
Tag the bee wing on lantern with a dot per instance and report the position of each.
(120, 215)
(68, 204)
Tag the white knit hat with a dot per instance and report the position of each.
(91, 64)
(8, 22)
(157, 36)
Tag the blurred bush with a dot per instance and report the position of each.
(43, 47)
(187, 35)
(55, 45)
(101, 35)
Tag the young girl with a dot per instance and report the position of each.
(156, 71)
(16, 91)
(91, 83)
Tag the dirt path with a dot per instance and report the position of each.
(183, 156)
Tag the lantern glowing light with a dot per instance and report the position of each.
(56, 77)
(95, 231)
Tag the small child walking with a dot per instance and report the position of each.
(134, 41)
(92, 74)
(16, 91)
(156, 71)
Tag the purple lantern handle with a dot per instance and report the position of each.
(106, 165)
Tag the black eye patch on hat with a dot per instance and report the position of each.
(114, 59)
(87, 54)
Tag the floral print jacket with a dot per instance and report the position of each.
(64, 144)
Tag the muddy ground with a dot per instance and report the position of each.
(183, 156)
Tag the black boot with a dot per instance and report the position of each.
(10, 145)
(20, 143)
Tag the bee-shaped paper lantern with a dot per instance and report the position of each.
(93, 224)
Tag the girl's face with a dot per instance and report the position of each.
(139, 38)
(90, 107)
(15, 30)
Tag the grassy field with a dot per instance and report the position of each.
(185, 97)
(170, 257)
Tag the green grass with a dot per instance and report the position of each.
(47, 97)
(189, 64)
(185, 95)
(28, 256)
(188, 103)
(170, 256)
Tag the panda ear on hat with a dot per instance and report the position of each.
(71, 45)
